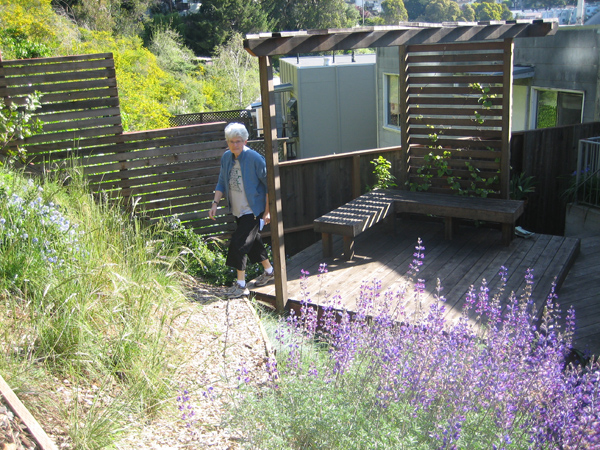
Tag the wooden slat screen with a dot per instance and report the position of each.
(164, 173)
(447, 122)
(80, 102)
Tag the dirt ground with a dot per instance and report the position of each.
(221, 338)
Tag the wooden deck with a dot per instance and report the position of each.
(581, 289)
(475, 253)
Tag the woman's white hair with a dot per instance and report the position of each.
(235, 129)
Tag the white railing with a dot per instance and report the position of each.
(587, 177)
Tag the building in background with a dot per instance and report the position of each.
(330, 106)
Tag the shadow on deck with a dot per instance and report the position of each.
(475, 254)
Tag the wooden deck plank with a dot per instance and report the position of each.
(473, 255)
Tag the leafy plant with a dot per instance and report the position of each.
(17, 123)
(385, 179)
(205, 258)
(521, 185)
(586, 190)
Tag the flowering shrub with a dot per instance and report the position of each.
(394, 376)
(35, 236)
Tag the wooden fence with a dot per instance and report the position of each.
(173, 171)
(163, 172)
(550, 155)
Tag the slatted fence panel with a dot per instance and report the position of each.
(454, 97)
(167, 172)
(80, 102)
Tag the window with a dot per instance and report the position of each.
(392, 101)
(556, 108)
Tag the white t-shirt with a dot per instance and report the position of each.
(239, 202)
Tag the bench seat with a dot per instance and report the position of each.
(356, 216)
(353, 218)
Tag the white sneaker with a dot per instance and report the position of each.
(236, 291)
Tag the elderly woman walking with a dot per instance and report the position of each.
(243, 181)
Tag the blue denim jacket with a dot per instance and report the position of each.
(254, 174)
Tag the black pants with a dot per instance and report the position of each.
(246, 243)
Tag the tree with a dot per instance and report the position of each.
(438, 11)
(235, 73)
(218, 20)
(394, 12)
(291, 15)
(415, 8)
(491, 11)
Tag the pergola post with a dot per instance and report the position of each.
(404, 123)
(274, 183)
(507, 85)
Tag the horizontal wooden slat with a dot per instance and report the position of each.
(459, 143)
(456, 47)
(451, 90)
(59, 66)
(436, 57)
(211, 149)
(96, 123)
(479, 69)
(456, 153)
(54, 59)
(455, 112)
(57, 78)
(460, 79)
(74, 115)
(460, 101)
(435, 120)
(85, 104)
(91, 85)
(74, 135)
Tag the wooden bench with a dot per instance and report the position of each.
(353, 218)
(358, 215)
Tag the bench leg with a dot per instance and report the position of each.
(448, 227)
(348, 247)
(508, 231)
(327, 245)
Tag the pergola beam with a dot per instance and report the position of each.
(293, 43)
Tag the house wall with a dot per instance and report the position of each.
(336, 106)
(568, 60)
(387, 63)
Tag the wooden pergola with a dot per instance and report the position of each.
(266, 45)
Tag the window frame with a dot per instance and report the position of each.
(387, 78)
(533, 117)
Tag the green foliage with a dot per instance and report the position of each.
(394, 12)
(415, 8)
(492, 11)
(234, 75)
(218, 20)
(385, 179)
(521, 185)
(438, 11)
(18, 123)
(205, 258)
(31, 28)
(86, 294)
(293, 15)
(19, 46)
(145, 90)
(115, 16)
